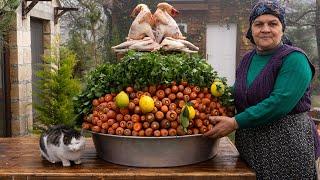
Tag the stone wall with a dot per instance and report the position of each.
(20, 63)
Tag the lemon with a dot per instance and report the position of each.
(146, 104)
(192, 112)
(122, 99)
(217, 88)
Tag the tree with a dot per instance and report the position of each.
(87, 32)
(302, 18)
(303, 29)
(57, 87)
(7, 11)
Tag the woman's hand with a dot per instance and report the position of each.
(222, 126)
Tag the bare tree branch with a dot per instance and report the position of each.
(301, 16)
(301, 24)
(307, 24)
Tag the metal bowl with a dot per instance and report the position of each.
(167, 151)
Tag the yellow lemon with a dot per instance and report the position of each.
(217, 88)
(192, 112)
(122, 99)
(146, 104)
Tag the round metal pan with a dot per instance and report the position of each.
(154, 151)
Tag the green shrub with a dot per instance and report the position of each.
(56, 88)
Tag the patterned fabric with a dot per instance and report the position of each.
(280, 150)
(266, 7)
(316, 138)
(318, 167)
(262, 86)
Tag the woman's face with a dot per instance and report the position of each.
(267, 32)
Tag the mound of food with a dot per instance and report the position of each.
(154, 94)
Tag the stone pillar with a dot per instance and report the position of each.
(21, 63)
(20, 76)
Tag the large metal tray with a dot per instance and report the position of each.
(167, 151)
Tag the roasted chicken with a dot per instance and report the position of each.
(165, 25)
(142, 24)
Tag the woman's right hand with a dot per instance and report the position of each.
(222, 126)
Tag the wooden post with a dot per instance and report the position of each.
(59, 11)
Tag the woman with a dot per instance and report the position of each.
(272, 95)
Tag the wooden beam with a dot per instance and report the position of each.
(26, 9)
(59, 11)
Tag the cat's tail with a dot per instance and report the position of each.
(43, 149)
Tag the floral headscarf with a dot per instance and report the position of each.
(272, 7)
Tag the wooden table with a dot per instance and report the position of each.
(20, 159)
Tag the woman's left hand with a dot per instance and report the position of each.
(222, 126)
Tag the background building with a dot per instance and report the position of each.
(33, 32)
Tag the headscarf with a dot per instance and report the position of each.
(262, 7)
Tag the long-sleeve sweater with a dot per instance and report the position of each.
(292, 81)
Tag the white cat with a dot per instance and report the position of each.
(62, 144)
